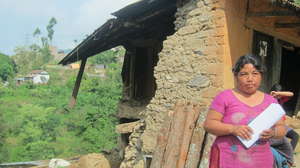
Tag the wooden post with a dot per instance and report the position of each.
(297, 108)
(162, 141)
(276, 62)
(195, 150)
(179, 142)
(77, 83)
(192, 112)
(175, 136)
(132, 74)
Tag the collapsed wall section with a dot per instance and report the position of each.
(190, 67)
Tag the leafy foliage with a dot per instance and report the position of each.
(7, 67)
(50, 26)
(32, 57)
(37, 123)
(37, 32)
(35, 56)
(106, 57)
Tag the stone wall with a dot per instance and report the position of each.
(190, 67)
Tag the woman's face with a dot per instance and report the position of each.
(248, 79)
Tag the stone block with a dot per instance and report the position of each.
(218, 13)
(140, 164)
(217, 81)
(214, 52)
(126, 128)
(214, 69)
(149, 141)
(195, 12)
(193, 21)
(194, 43)
(199, 81)
(93, 161)
(210, 92)
(220, 4)
(219, 32)
(187, 30)
(218, 22)
(211, 42)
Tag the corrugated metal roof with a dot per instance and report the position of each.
(140, 19)
(23, 164)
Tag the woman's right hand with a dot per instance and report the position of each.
(242, 131)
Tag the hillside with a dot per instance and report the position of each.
(37, 124)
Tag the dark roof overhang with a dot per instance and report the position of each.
(142, 20)
(290, 4)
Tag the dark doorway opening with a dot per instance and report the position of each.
(290, 77)
(263, 48)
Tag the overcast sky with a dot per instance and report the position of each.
(75, 19)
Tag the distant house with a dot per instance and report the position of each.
(99, 67)
(20, 80)
(35, 76)
(38, 77)
(74, 66)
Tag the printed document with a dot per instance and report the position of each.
(265, 120)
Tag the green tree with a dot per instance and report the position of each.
(45, 42)
(28, 58)
(106, 57)
(37, 32)
(7, 67)
(37, 124)
(35, 56)
(50, 26)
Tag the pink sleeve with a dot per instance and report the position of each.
(273, 100)
(218, 104)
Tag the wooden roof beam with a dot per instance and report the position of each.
(287, 25)
(272, 13)
(250, 23)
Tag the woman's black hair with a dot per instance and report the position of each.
(247, 59)
(276, 87)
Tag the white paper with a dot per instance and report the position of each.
(265, 120)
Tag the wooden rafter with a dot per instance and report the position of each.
(272, 13)
(267, 30)
(287, 25)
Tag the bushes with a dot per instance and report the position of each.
(7, 67)
(36, 123)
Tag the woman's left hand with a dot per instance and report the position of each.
(267, 134)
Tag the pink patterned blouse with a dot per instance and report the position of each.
(227, 151)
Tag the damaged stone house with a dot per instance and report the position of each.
(184, 49)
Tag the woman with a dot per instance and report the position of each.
(231, 111)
